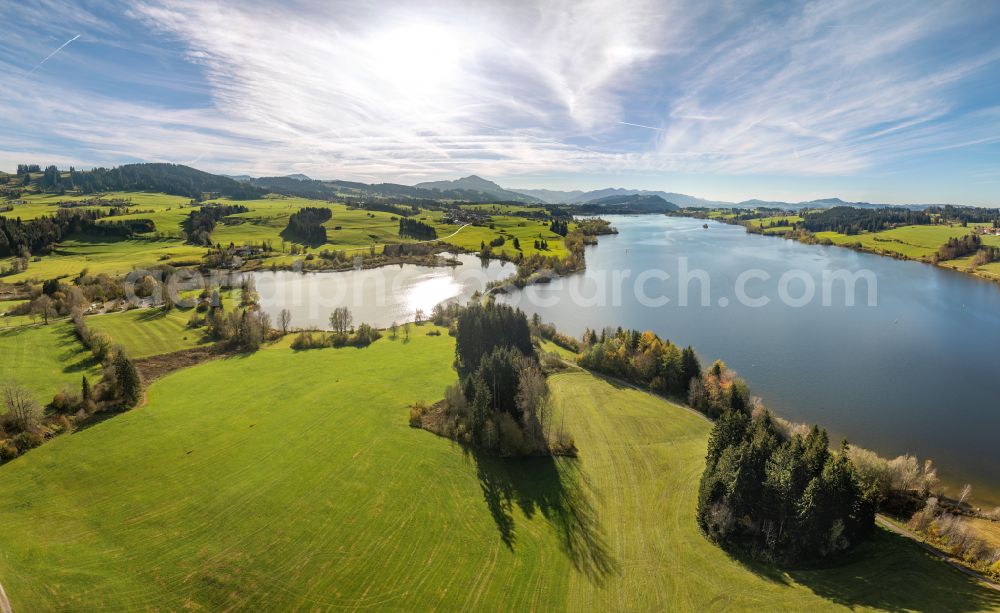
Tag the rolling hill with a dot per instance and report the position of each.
(475, 184)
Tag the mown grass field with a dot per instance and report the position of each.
(45, 359)
(146, 332)
(153, 331)
(290, 481)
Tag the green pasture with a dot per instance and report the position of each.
(291, 481)
(915, 242)
(151, 331)
(103, 254)
(45, 359)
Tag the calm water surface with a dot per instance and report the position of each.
(377, 296)
(917, 373)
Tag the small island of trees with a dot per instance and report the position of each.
(501, 403)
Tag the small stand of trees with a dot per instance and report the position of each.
(343, 334)
(416, 229)
(778, 498)
(501, 403)
(201, 222)
(958, 247)
(642, 358)
(306, 226)
(560, 227)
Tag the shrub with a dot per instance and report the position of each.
(366, 335)
(27, 440)
(8, 451)
(416, 413)
(308, 339)
(64, 402)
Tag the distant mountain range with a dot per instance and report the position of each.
(579, 196)
(477, 189)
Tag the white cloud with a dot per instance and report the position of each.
(395, 91)
(834, 89)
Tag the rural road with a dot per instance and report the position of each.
(895, 529)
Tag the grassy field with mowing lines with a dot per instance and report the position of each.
(153, 331)
(290, 481)
(146, 332)
(45, 359)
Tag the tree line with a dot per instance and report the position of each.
(768, 490)
(849, 220)
(173, 179)
(958, 247)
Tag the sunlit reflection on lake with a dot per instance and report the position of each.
(378, 296)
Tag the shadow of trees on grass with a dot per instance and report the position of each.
(558, 489)
(890, 573)
(75, 357)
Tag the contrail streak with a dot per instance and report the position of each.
(49, 57)
(639, 125)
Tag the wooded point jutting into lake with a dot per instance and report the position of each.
(622, 306)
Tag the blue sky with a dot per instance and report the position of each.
(878, 101)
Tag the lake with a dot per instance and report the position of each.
(377, 296)
(911, 367)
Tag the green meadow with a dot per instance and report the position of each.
(146, 332)
(785, 222)
(291, 481)
(102, 254)
(348, 229)
(914, 242)
(45, 359)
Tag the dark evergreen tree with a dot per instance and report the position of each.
(777, 498)
(481, 328)
(127, 381)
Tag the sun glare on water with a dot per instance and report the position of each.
(430, 291)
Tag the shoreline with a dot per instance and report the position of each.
(857, 247)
